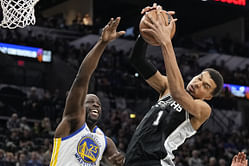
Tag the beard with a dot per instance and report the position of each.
(89, 120)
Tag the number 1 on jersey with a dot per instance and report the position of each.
(159, 115)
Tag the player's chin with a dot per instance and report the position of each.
(94, 118)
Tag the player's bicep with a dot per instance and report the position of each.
(198, 108)
(75, 99)
(112, 154)
(111, 148)
(158, 82)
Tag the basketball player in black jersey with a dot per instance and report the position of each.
(84, 108)
(179, 112)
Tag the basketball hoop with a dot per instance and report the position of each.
(18, 13)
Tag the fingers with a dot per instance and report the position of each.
(235, 158)
(150, 17)
(150, 25)
(146, 9)
(240, 158)
(120, 33)
(108, 24)
(149, 31)
(117, 158)
(159, 15)
(114, 155)
(172, 22)
(171, 12)
(159, 7)
(114, 23)
(243, 160)
(149, 8)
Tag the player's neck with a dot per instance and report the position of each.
(91, 125)
(190, 94)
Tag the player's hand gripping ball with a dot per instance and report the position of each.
(166, 19)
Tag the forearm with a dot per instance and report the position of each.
(79, 88)
(175, 81)
(139, 49)
(91, 61)
(138, 60)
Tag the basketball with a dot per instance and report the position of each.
(149, 38)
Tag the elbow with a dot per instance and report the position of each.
(177, 92)
(178, 95)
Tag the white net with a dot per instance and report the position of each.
(18, 13)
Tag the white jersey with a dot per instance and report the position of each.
(81, 148)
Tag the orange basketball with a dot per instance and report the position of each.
(149, 38)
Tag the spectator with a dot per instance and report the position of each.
(25, 140)
(195, 160)
(47, 155)
(24, 124)
(10, 159)
(12, 142)
(13, 122)
(35, 160)
(2, 155)
(222, 162)
(212, 161)
(46, 127)
(36, 130)
(21, 159)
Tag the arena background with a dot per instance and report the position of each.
(210, 33)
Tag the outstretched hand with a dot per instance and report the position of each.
(117, 159)
(109, 32)
(240, 160)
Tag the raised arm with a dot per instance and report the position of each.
(146, 69)
(161, 33)
(74, 113)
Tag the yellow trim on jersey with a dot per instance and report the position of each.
(57, 143)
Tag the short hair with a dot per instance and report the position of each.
(218, 79)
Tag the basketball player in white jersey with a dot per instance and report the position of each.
(179, 112)
(77, 140)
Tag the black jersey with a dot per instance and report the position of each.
(163, 129)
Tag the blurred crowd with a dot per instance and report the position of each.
(28, 142)
(28, 121)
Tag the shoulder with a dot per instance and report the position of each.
(67, 126)
(98, 130)
(204, 105)
(204, 109)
